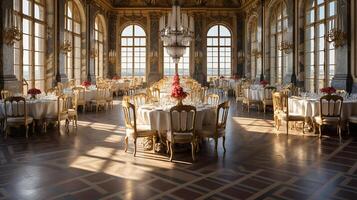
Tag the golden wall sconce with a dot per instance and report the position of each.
(66, 46)
(112, 56)
(12, 30)
(336, 36)
(93, 53)
(241, 57)
(286, 47)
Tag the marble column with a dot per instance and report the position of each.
(8, 79)
(198, 44)
(112, 38)
(152, 54)
(343, 78)
(61, 75)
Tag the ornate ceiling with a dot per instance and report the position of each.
(184, 3)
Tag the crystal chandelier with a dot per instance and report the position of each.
(176, 32)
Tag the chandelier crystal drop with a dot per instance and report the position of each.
(177, 31)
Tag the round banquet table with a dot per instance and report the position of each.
(37, 108)
(310, 107)
(159, 118)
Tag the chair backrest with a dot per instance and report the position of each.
(15, 107)
(212, 99)
(53, 91)
(183, 119)
(101, 93)
(5, 94)
(140, 99)
(129, 115)
(75, 101)
(63, 104)
(81, 93)
(222, 114)
(71, 83)
(155, 93)
(331, 106)
(239, 90)
(60, 87)
(268, 92)
(126, 98)
(280, 102)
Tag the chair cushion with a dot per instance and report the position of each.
(72, 112)
(179, 136)
(141, 131)
(18, 120)
(209, 131)
(353, 119)
(327, 120)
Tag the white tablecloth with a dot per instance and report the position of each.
(255, 93)
(38, 109)
(311, 107)
(159, 119)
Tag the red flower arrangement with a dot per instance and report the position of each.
(176, 80)
(34, 91)
(264, 82)
(328, 90)
(86, 83)
(116, 77)
(177, 91)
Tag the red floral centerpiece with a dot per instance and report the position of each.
(177, 91)
(33, 92)
(264, 82)
(116, 77)
(221, 77)
(86, 84)
(328, 90)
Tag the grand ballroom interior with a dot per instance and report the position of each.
(178, 99)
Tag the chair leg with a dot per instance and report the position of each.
(264, 107)
(76, 121)
(320, 131)
(287, 127)
(126, 140)
(167, 147)
(193, 150)
(303, 127)
(171, 151)
(59, 126)
(348, 127)
(215, 144)
(339, 132)
(224, 143)
(27, 131)
(153, 143)
(134, 147)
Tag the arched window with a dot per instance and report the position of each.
(29, 53)
(73, 35)
(320, 57)
(183, 66)
(99, 47)
(219, 51)
(278, 32)
(133, 51)
(253, 41)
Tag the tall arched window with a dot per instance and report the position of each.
(278, 30)
(73, 35)
(219, 51)
(183, 66)
(133, 51)
(253, 41)
(99, 47)
(29, 53)
(320, 55)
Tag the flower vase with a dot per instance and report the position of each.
(179, 101)
(33, 96)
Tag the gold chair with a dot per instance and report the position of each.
(330, 112)
(247, 99)
(218, 130)
(63, 104)
(267, 97)
(72, 112)
(212, 99)
(281, 112)
(109, 97)
(155, 93)
(71, 83)
(60, 88)
(183, 120)
(239, 92)
(5, 94)
(81, 97)
(352, 119)
(99, 100)
(133, 129)
(52, 91)
(16, 114)
(140, 99)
